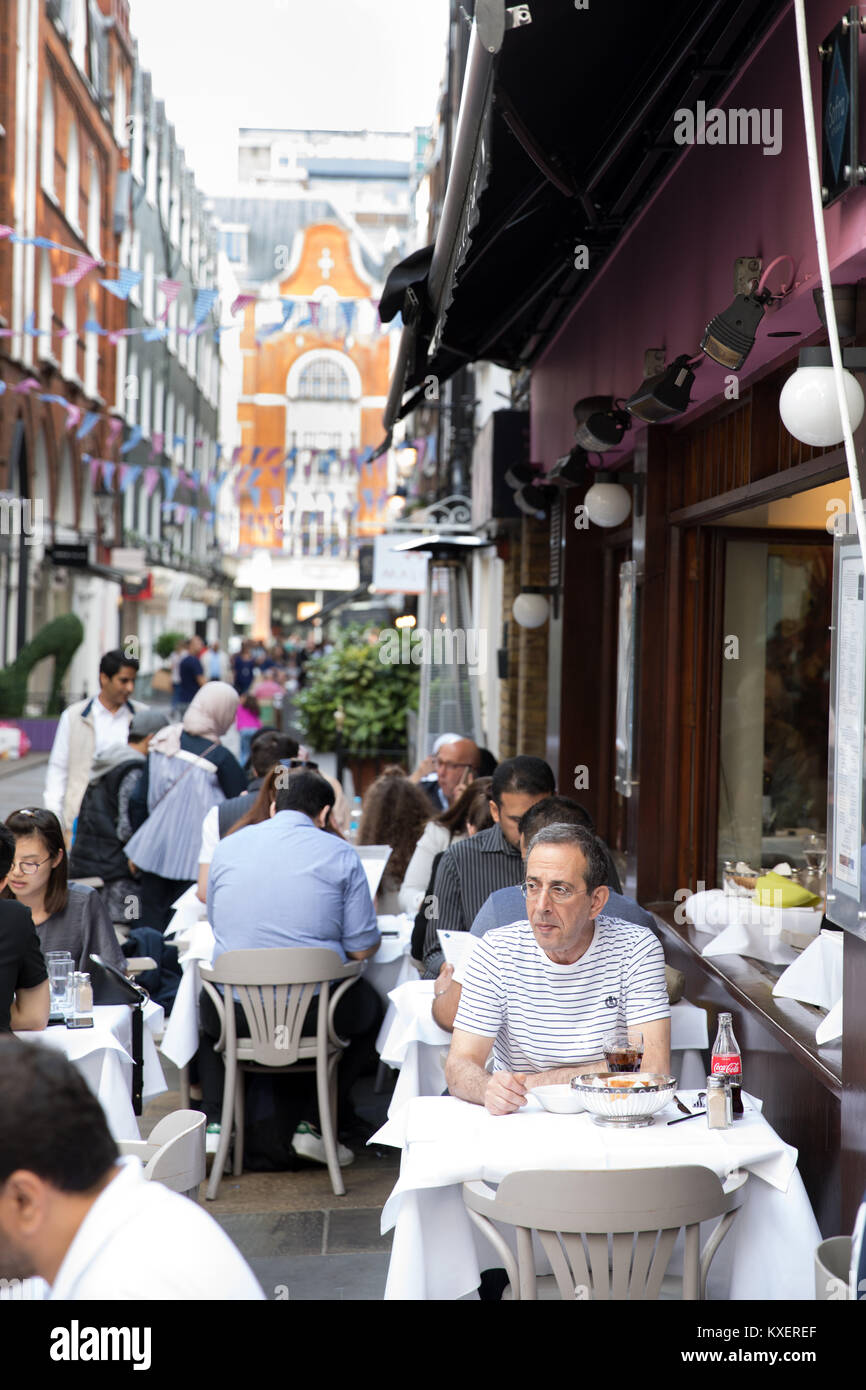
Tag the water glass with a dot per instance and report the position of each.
(60, 965)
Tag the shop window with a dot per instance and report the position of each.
(324, 380)
(775, 700)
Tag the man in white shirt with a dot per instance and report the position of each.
(86, 1222)
(541, 993)
(85, 729)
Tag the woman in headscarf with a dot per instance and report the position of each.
(188, 772)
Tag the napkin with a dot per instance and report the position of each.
(816, 976)
(709, 911)
(830, 1028)
(790, 893)
(756, 935)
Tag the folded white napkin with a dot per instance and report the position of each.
(757, 935)
(711, 911)
(815, 977)
(830, 1028)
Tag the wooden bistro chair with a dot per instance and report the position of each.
(642, 1210)
(275, 988)
(174, 1154)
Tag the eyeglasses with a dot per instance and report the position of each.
(29, 866)
(440, 762)
(559, 892)
(294, 763)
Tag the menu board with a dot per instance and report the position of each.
(845, 824)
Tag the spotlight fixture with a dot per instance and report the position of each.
(664, 394)
(730, 336)
(571, 470)
(528, 499)
(600, 425)
(808, 404)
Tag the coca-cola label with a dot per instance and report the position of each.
(726, 1066)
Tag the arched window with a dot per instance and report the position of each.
(47, 160)
(72, 177)
(94, 209)
(324, 380)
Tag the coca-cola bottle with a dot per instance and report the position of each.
(726, 1061)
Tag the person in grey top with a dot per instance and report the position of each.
(67, 916)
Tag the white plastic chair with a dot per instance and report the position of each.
(174, 1154)
(275, 988)
(607, 1234)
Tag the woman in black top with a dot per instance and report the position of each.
(25, 998)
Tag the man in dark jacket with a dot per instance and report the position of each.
(103, 821)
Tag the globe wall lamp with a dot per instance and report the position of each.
(808, 403)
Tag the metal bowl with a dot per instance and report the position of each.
(624, 1095)
(559, 1100)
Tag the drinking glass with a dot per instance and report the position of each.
(59, 964)
(623, 1051)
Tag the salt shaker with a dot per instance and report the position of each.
(83, 994)
(719, 1111)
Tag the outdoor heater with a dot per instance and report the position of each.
(452, 647)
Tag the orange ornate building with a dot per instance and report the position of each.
(316, 367)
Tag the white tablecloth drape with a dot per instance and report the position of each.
(195, 942)
(103, 1055)
(768, 1255)
(411, 1040)
(815, 977)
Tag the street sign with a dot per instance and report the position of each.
(72, 555)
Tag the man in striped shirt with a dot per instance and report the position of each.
(471, 869)
(541, 993)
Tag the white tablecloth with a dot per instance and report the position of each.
(767, 1255)
(411, 1040)
(195, 942)
(103, 1055)
(742, 927)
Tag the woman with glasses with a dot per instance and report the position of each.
(67, 916)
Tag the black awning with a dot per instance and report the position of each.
(564, 133)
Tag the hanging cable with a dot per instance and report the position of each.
(824, 264)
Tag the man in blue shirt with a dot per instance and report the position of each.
(289, 883)
(190, 674)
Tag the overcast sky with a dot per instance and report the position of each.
(326, 64)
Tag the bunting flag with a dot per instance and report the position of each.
(179, 441)
(30, 327)
(73, 417)
(253, 492)
(24, 386)
(151, 478)
(107, 472)
(90, 420)
(169, 485)
(272, 454)
(276, 496)
(151, 335)
(255, 455)
(237, 453)
(241, 302)
(180, 514)
(171, 289)
(212, 492)
(114, 428)
(5, 231)
(72, 277)
(204, 302)
(131, 476)
(134, 438)
(157, 444)
(94, 468)
(126, 281)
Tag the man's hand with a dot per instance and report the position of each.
(443, 979)
(505, 1092)
(424, 768)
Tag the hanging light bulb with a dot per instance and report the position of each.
(607, 504)
(808, 404)
(530, 610)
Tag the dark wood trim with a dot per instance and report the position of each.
(715, 598)
(854, 1078)
(827, 468)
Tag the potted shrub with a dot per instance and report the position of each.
(374, 695)
(164, 646)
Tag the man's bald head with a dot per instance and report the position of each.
(456, 763)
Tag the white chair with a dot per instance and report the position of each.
(275, 988)
(174, 1154)
(608, 1235)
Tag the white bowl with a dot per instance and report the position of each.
(612, 1096)
(559, 1100)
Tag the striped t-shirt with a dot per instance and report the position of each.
(542, 1015)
